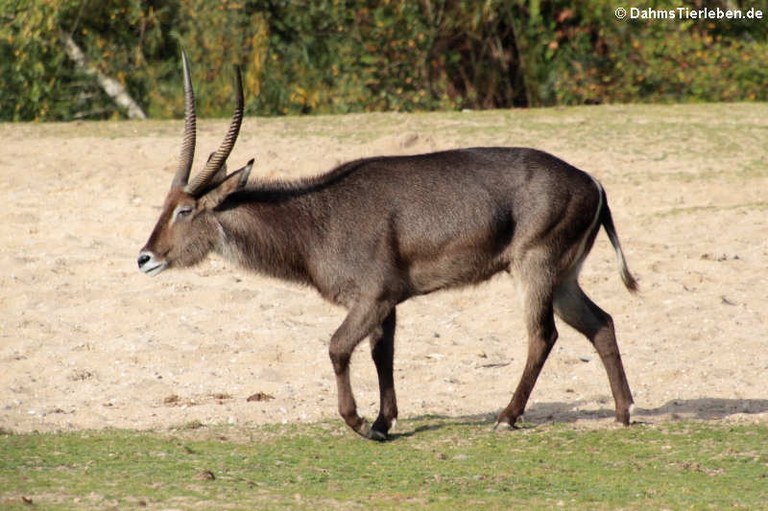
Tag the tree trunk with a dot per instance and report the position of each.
(112, 87)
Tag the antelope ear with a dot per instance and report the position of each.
(228, 184)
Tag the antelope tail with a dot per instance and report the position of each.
(606, 219)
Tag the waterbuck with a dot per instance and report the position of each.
(374, 232)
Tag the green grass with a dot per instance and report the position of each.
(432, 464)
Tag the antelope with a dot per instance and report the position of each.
(374, 232)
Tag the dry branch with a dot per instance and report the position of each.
(112, 87)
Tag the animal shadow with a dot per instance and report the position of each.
(546, 413)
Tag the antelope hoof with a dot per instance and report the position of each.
(363, 428)
(369, 432)
(623, 417)
(381, 428)
(505, 424)
(377, 435)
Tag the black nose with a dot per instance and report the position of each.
(143, 259)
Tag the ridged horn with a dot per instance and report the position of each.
(218, 159)
(190, 127)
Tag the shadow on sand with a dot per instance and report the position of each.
(546, 413)
(701, 409)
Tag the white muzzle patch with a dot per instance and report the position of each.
(150, 265)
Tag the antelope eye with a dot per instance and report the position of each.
(183, 211)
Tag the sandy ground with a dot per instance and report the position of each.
(86, 341)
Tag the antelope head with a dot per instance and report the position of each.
(186, 230)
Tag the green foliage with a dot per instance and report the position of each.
(660, 61)
(338, 56)
(307, 58)
(433, 464)
(216, 35)
(39, 80)
(29, 60)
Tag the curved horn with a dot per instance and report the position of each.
(222, 153)
(190, 126)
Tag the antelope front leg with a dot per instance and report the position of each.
(359, 324)
(383, 353)
(542, 335)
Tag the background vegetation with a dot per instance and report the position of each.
(338, 56)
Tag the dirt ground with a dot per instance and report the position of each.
(88, 342)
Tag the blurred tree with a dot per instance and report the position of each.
(40, 82)
(336, 56)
